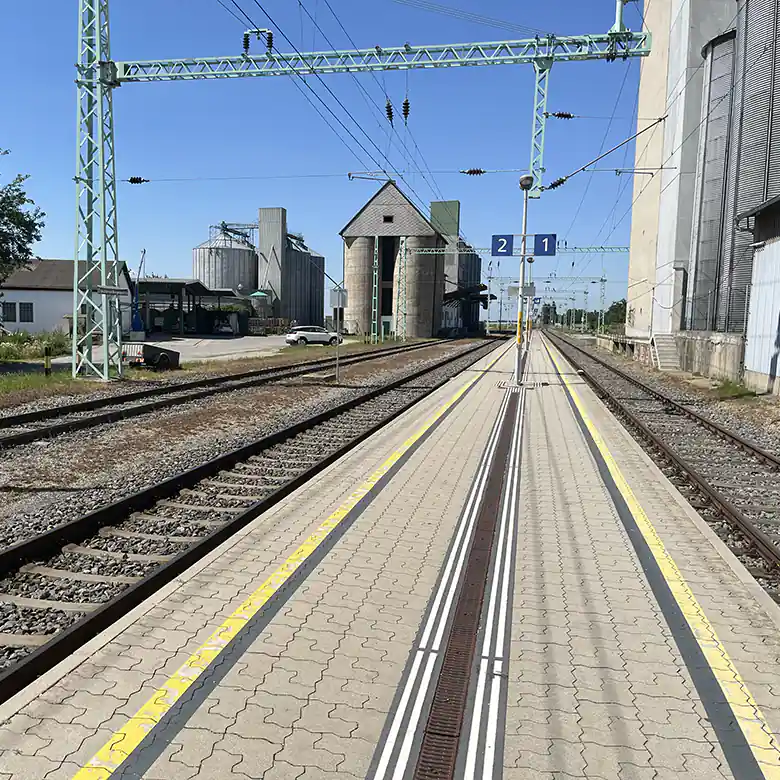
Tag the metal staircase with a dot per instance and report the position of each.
(663, 348)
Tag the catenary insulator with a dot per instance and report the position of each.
(389, 111)
(474, 172)
(138, 180)
(269, 40)
(557, 183)
(246, 43)
(406, 108)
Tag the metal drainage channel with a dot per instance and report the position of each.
(22, 673)
(761, 542)
(213, 385)
(441, 736)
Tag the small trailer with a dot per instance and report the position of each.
(149, 356)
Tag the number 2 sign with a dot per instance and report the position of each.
(502, 246)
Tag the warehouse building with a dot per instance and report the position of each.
(428, 279)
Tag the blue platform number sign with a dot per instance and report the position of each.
(545, 244)
(503, 246)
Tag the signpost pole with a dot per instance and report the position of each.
(338, 332)
(520, 298)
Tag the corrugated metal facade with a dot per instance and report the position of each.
(754, 158)
(225, 263)
(710, 191)
(303, 285)
(762, 347)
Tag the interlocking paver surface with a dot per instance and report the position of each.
(309, 695)
(594, 672)
(597, 687)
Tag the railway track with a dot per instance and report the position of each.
(64, 586)
(730, 481)
(26, 427)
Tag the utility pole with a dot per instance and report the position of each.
(98, 75)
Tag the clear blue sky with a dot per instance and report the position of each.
(460, 118)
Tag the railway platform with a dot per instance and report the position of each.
(500, 583)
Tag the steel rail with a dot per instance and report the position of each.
(763, 544)
(212, 385)
(63, 644)
(745, 444)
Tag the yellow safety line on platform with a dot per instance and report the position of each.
(757, 731)
(123, 742)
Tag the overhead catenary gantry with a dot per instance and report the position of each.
(98, 76)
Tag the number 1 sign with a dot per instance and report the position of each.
(545, 244)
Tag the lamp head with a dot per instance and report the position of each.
(526, 182)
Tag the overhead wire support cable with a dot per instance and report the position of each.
(336, 98)
(433, 185)
(468, 16)
(329, 90)
(558, 182)
(306, 96)
(372, 104)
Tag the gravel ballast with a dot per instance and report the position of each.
(51, 482)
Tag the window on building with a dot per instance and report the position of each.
(387, 218)
(25, 312)
(9, 312)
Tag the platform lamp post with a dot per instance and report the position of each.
(526, 183)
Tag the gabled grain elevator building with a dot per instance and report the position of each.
(393, 225)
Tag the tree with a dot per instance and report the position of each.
(21, 225)
(616, 313)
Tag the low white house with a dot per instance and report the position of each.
(40, 298)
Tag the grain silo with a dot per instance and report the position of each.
(393, 221)
(226, 262)
(710, 187)
(753, 173)
(291, 272)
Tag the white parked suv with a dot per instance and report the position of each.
(311, 334)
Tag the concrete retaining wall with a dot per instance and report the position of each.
(620, 345)
(715, 355)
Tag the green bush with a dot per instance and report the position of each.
(29, 346)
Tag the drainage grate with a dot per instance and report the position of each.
(439, 750)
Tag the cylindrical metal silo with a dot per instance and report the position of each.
(710, 186)
(358, 280)
(754, 157)
(424, 287)
(225, 262)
